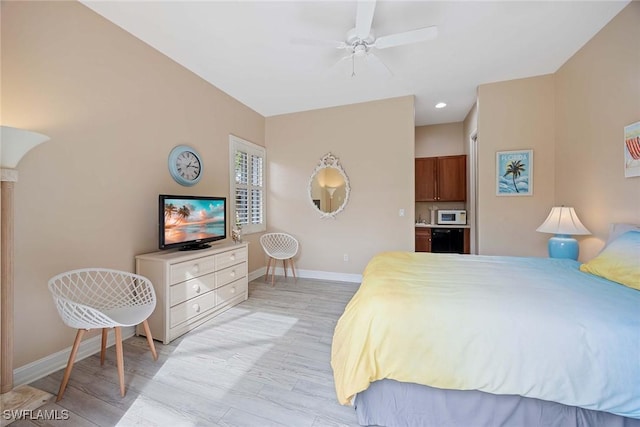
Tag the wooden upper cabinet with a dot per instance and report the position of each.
(442, 179)
(426, 179)
(452, 178)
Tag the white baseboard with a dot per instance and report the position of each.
(257, 273)
(325, 275)
(54, 362)
(311, 274)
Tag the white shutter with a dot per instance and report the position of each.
(247, 184)
(240, 192)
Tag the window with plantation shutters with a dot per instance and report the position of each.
(247, 162)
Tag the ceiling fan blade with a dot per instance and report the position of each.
(322, 43)
(338, 68)
(377, 65)
(364, 18)
(399, 39)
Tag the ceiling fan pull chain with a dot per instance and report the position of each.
(353, 66)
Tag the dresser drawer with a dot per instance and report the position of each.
(190, 269)
(188, 309)
(231, 290)
(230, 274)
(229, 258)
(183, 291)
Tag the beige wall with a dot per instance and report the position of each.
(440, 140)
(597, 94)
(573, 120)
(469, 125)
(113, 107)
(375, 144)
(517, 114)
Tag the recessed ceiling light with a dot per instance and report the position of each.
(441, 105)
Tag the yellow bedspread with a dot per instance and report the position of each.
(533, 327)
(366, 347)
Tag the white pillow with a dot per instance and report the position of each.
(617, 229)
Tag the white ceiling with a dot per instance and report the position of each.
(245, 48)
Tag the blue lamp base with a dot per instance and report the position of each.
(563, 246)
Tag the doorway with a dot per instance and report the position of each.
(473, 190)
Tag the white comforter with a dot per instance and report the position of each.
(505, 325)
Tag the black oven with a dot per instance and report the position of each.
(447, 240)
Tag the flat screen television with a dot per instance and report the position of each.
(191, 222)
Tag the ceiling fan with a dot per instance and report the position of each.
(361, 40)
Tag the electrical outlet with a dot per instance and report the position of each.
(346, 257)
(401, 212)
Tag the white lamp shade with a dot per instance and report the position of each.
(563, 220)
(15, 143)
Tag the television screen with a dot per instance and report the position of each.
(190, 222)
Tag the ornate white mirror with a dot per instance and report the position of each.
(329, 187)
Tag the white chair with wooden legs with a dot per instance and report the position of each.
(101, 298)
(279, 246)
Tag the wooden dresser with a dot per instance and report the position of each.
(193, 286)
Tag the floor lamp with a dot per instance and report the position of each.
(14, 144)
(331, 190)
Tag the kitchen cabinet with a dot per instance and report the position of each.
(425, 239)
(441, 179)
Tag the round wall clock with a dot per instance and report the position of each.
(185, 165)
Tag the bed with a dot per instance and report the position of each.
(447, 339)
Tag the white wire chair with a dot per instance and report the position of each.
(279, 246)
(94, 298)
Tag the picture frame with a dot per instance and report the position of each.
(632, 150)
(514, 173)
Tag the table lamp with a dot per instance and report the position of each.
(563, 222)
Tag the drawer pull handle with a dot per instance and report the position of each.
(196, 268)
(196, 288)
(233, 273)
(233, 290)
(233, 257)
(196, 308)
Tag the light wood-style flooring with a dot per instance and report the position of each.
(265, 362)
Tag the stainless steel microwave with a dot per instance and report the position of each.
(452, 216)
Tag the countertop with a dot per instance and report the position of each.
(422, 225)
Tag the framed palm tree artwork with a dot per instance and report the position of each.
(514, 173)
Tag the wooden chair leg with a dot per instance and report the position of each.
(103, 349)
(268, 267)
(293, 268)
(273, 272)
(120, 359)
(72, 357)
(284, 266)
(147, 332)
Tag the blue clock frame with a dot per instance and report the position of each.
(173, 166)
